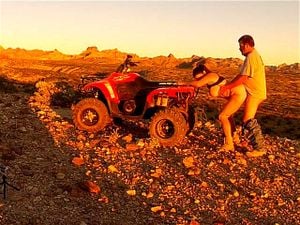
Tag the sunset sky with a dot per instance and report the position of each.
(153, 28)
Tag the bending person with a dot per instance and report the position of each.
(235, 96)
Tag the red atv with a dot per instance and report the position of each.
(127, 95)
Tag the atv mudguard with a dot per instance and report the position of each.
(112, 88)
(105, 88)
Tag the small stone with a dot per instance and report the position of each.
(37, 199)
(241, 161)
(157, 173)
(90, 186)
(204, 184)
(23, 129)
(27, 172)
(131, 192)
(104, 199)
(80, 137)
(78, 161)
(34, 191)
(132, 147)
(271, 158)
(236, 193)
(194, 171)
(232, 180)
(80, 145)
(113, 169)
(82, 223)
(188, 162)
(60, 176)
(127, 138)
(194, 222)
(156, 208)
(94, 143)
(255, 153)
(140, 143)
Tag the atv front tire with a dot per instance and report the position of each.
(90, 115)
(169, 127)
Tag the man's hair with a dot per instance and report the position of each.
(247, 39)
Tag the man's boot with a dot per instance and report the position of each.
(254, 134)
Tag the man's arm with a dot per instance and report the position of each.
(239, 79)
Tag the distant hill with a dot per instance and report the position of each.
(116, 56)
(32, 54)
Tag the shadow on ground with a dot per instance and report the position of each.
(49, 183)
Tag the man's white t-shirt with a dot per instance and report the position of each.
(254, 68)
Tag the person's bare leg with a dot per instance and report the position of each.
(251, 106)
(226, 126)
(233, 104)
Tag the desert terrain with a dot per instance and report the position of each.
(121, 176)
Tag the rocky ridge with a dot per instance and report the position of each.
(114, 55)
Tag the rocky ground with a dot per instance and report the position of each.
(120, 176)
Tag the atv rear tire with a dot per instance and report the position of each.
(169, 127)
(90, 115)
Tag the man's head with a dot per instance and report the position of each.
(246, 43)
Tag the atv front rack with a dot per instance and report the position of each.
(85, 79)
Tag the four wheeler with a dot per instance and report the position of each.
(127, 95)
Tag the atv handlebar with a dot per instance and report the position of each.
(124, 67)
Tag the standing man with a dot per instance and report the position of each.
(252, 76)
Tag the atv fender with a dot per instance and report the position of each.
(105, 88)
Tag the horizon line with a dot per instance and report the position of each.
(94, 46)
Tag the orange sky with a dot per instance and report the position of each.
(153, 28)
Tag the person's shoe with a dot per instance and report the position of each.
(227, 148)
(255, 153)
